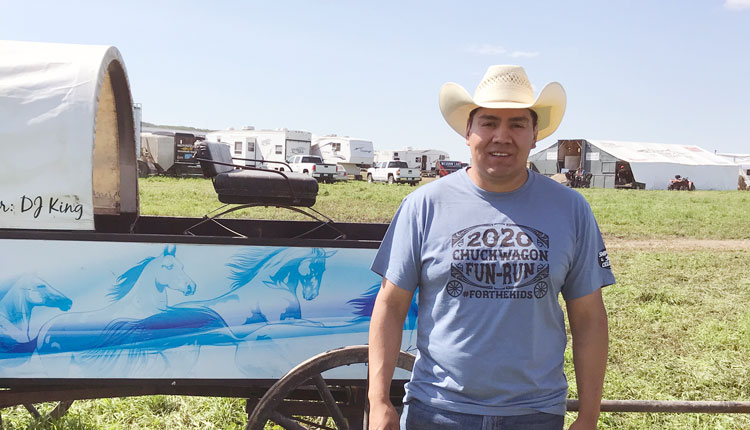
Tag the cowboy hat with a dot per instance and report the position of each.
(504, 87)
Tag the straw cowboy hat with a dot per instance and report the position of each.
(504, 87)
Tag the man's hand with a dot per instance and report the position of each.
(581, 424)
(383, 416)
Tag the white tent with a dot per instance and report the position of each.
(67, 136)
(655, 163)
(743, 160)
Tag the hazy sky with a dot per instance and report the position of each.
(652, 71)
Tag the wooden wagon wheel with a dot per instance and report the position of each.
(308, 372)
(55, 413)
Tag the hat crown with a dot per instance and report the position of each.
(505, 84)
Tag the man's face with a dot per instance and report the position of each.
(500, 141)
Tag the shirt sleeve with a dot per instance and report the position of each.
(399, 257)
(590, 268)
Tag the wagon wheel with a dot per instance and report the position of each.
(41, 411)
(309, 372)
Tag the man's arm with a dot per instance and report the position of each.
(386, 326)
(588, 326)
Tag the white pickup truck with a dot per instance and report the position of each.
(392, 172)
(314, 166)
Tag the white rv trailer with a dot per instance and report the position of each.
(267, 145)
(350, 153)
(422, 159)
(242, 143)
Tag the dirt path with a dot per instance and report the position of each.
(614, 243)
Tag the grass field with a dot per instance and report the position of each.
(679, 320)
(628, 214)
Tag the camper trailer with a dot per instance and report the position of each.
(242, 144)
(422, 159)
(268, 145)
(350, 153)
(170, 152)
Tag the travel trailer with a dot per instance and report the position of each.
(422, 159)
(171, 153)
(350, 153)
(267, 145)
(241, 143)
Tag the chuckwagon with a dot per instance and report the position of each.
(97, 300)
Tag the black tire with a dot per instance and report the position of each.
(390, 179)
(309, 373)
(369, 178)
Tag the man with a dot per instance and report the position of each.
(490, 248)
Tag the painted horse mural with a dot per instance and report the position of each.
(18, 297)
(364, 304)
(139, 293)
(266, 287)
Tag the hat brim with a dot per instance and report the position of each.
(456, 104)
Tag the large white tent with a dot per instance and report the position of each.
(66, 131)
(655, 163)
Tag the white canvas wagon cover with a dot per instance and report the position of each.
(67, 136)
(655, 163)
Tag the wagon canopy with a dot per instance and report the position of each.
(67, 136)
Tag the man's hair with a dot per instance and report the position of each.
(534, 117)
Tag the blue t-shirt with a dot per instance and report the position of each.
(489, 267)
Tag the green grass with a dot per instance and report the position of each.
(353, 201)
(679, 321)
(627, 214)
(679, 330)
(637, 214)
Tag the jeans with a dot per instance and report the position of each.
(419, 416)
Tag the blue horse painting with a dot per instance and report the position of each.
(139, 293)
(267, 286)
(18, 297)
(364, 304)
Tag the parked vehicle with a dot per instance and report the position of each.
(350, 153)
(170, 153)
(341, 174)
(446, 167)
(257, 146)
(314, 166)
(421, 159)
(681, 184)
(392, 172)
(242, 143)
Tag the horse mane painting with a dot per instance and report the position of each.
(364, 304)
(266, 285)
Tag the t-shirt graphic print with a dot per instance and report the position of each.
(499, 261)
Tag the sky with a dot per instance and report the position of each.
(667, 71)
